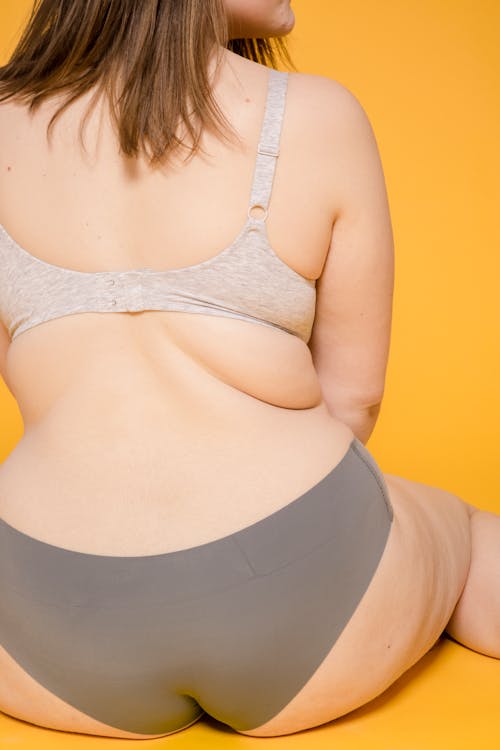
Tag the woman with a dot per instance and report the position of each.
(191, 522)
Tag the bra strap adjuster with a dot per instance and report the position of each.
(268, 150)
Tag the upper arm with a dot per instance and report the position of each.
(351, 332)
(4, 345)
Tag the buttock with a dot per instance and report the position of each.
(234, 627)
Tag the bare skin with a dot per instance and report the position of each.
(155, 393)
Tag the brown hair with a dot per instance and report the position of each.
(159, 48)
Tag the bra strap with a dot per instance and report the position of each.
(269, 142)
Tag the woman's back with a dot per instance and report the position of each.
(161, 429)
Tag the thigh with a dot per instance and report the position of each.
(401, 615)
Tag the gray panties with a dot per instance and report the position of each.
(234, 627)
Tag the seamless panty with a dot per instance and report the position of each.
(234, 627)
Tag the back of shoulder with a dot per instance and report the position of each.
(340, 138)
(329, 105)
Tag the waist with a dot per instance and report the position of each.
(145, 486)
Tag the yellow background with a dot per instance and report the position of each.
(427, 74)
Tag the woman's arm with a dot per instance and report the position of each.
(4, 345)
(351, 332)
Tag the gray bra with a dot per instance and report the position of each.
(246, 280)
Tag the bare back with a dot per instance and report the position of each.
(159, 430)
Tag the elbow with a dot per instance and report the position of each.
(339, 402)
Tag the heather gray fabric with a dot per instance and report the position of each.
(234, 627)
(245, 280)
